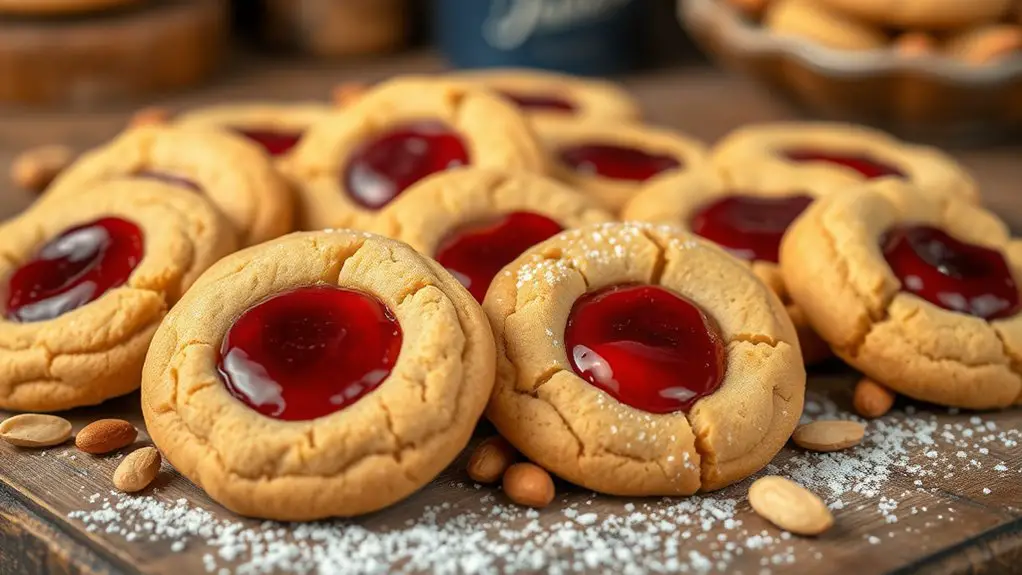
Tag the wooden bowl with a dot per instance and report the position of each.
(929, 98)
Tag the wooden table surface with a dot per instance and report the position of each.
(929, 491)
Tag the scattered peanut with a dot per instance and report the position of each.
(491, 459)
(35, 168)
(348, 93)
(789, 506)
(831, 435)
(915, 44)
(149, 116)
(872, 400)
(137, 470)
(105, 435)
(35, 430)
(529, 484)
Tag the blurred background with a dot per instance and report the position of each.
(940, 71)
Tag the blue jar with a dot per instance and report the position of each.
(586, 37)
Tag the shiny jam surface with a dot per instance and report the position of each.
(475, 253)
(616, 162)
(547, 102)
(386, 165)
(870, 168)
(309, 352)
(169, 178)
(73, 269)
(646, 346)
(950, 273)
(275, 142)
(750, 227)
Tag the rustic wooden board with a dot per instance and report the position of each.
(952, 515)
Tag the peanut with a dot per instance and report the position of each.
(105, 435)
(490, 460)
(872, 400)
(35, 168)
(348, 93)
(35, 430)
(149, 116)
(830, 435)
(789, 506)
(529, 484)
(137, 470)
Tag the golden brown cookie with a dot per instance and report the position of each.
(809, 20)
(322, 374)
(357, 161)
(542, 93)
(236, 175)
(922, 14)
(985, 45)
(820, 157)
(60, 7)
(276, 126)
(86, 284)
(641, 360)
(920, 295)
(746, 223)
(474, 221)
(611, 161)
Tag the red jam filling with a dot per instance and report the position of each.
(870, 168)
(616, 162)
(74, 269)
(381, 168)
(646, 346)
(474, 254)
(950, 273)
(169, 178)
(749, 227)
(309, 352)
(547, 102)
(275, 142)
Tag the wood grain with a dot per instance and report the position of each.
(39, 489)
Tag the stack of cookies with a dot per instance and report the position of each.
(976, 32)
(632, 310)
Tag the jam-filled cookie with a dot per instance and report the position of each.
(747, 223)
(610, 160)
(821, 157)
(922, 14)
(277, 127)
(541, 93)
(474, 221)
(920, 295)
(234, 174)
(321, 374)
(642, 360)
(357, 161)
(86, 283)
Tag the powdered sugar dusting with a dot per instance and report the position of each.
(892, 479)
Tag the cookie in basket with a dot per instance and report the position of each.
(542, 93)
(87, 284)
(474, 221)
(233, 173)
(745, 222)
(920, 295)
(642, 360)
(922, 14)
(277, 127)
(354, 163)
(820, 157)
(321, 374)
(811, 20)
(611, 161)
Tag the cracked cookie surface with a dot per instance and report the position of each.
(612, 161)
(235, 174)
(94, 351)
(354, 162)
(438, 215)
(820, 158)
(836, 271)
(539, 93)
(372, 453)
(676, 199)
(585, 435)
